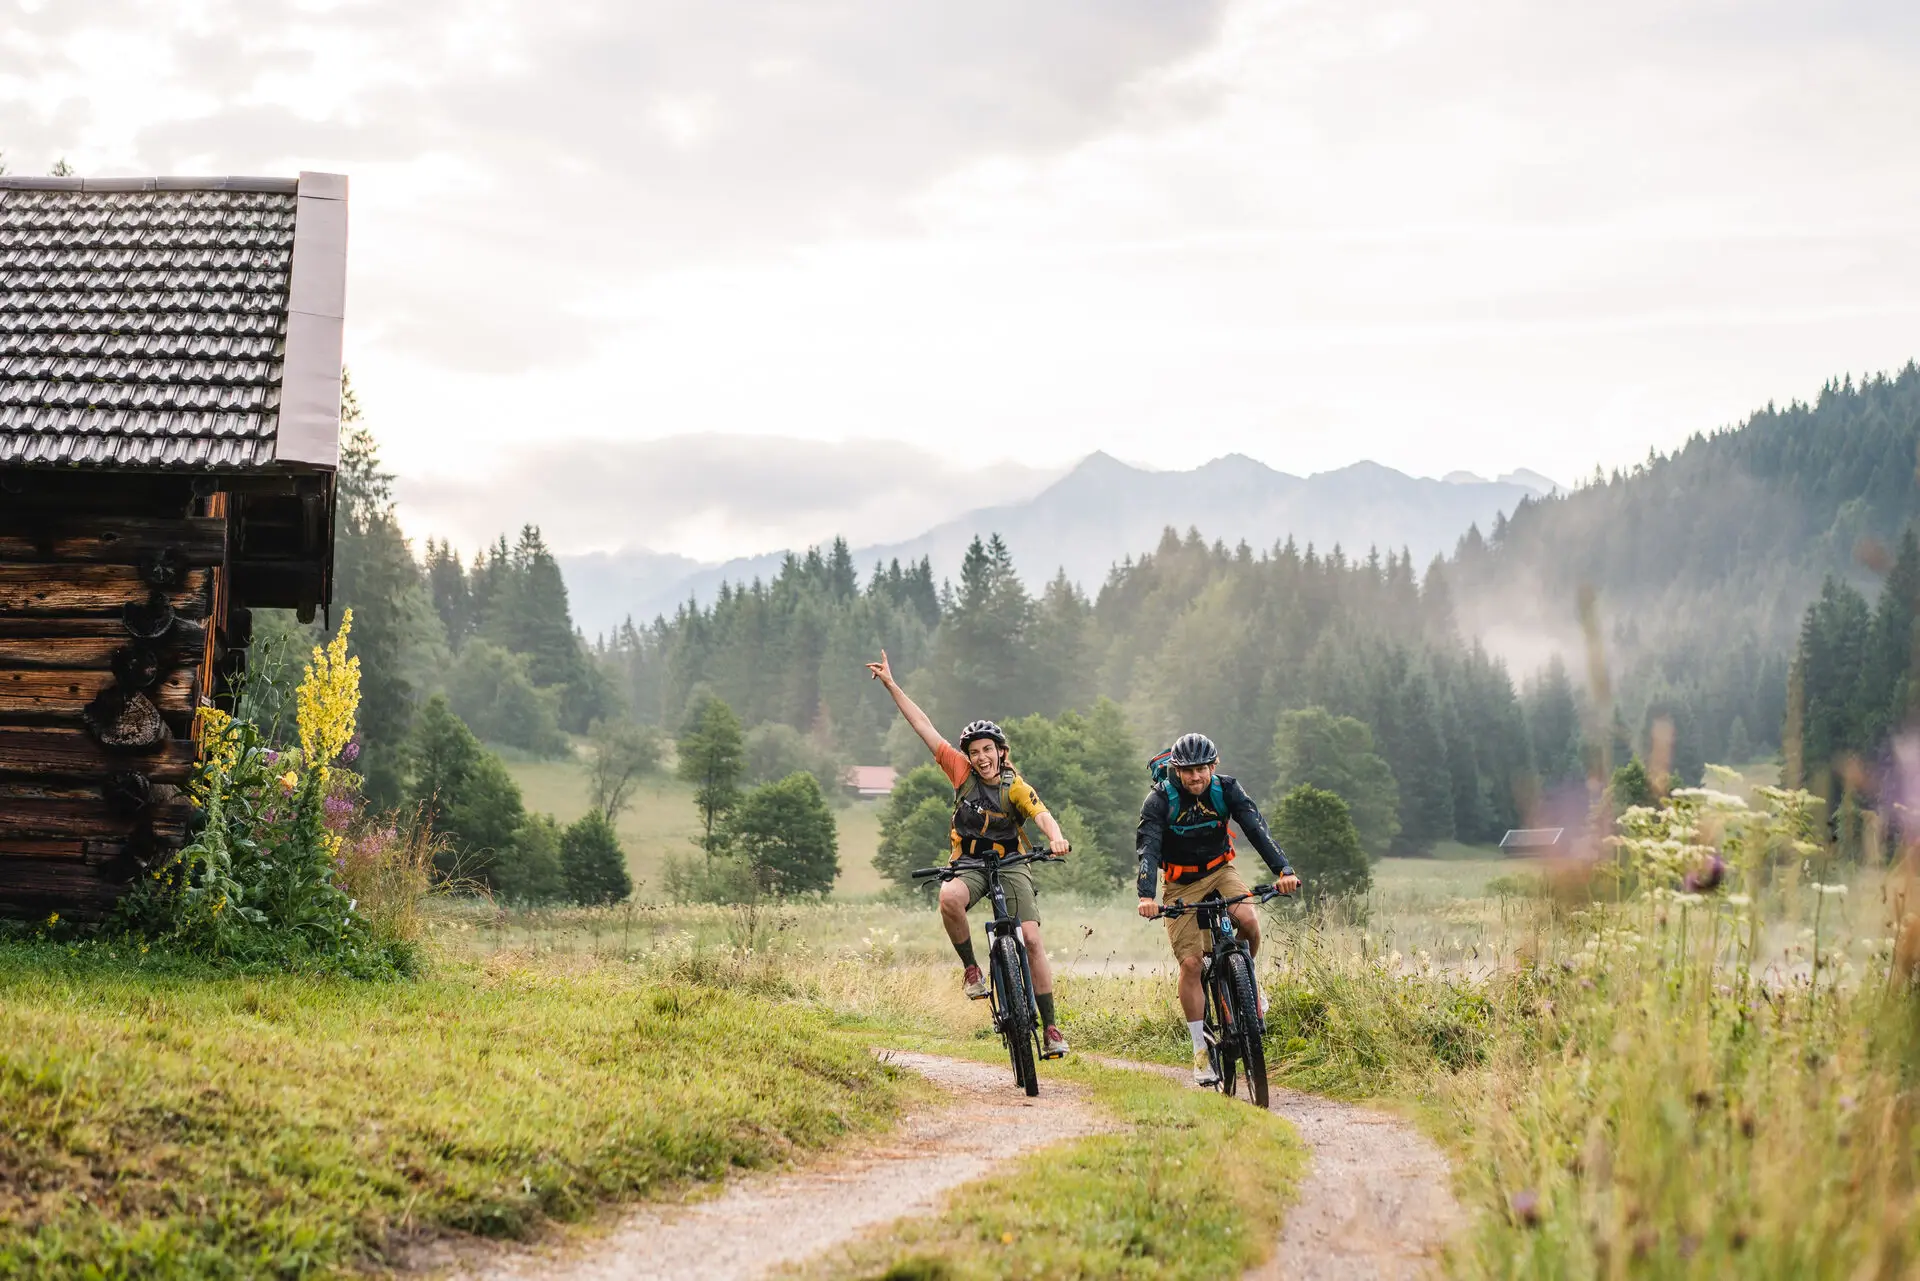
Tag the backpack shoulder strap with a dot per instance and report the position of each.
(1219, 799)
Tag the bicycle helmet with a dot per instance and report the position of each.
(1194, 749)
(982, 729)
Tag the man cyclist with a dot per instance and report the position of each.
(992, 805)
(1183, 836)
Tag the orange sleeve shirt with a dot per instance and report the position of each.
(1025, 801)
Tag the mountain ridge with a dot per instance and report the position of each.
(1101, 511)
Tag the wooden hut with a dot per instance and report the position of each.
(170, 385)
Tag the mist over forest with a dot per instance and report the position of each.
(1658, 612)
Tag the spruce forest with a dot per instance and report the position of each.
(1672, 612)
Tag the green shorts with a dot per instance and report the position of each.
(1015, 882)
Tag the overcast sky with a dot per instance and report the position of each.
(1477, 234)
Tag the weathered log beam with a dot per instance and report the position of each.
(187, 637)
(110, 540)
(80, 889)
(12, 790)
(92, 589)
(53, 751)
(89, 820)
(42, 848)
(57, 693)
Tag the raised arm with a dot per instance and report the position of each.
(882, 671)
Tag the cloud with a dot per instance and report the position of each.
(1466, 234)
(711, 497)
(605, 139)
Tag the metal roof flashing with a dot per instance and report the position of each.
(316, 325)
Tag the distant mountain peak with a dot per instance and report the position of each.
(1464, 478)
(1527, 478)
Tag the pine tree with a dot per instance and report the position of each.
(712, 754)
(447, 582)
(981, 667)
(396, 633)
(1553, 723)
(1426, 790)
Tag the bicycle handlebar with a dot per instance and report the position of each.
(958, 866)
(1180, 907)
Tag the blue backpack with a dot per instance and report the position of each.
(1160, 770)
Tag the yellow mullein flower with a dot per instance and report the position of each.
(219, 747)
(329, 698)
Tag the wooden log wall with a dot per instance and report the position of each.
(107, 584)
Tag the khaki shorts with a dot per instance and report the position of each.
(1184, 932)
(1015, 882)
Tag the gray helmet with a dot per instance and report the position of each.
(1194, 749)
(982, 729)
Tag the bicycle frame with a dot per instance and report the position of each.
(1228, 1041)
(1002, 924)
(1013, 1026)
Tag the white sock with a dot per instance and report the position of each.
(1197, 1029)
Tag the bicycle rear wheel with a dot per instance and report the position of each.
(1248, 1046)
(1016, 1013)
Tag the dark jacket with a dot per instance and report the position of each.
(1156, 844)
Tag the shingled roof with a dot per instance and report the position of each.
(172, 324)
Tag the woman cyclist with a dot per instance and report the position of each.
(992, 805)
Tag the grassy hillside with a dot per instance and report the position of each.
(663, 821)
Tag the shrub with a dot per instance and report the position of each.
(465, 793)
(1312, 825)
(914, 825)
(592, 861)
(533, 874)
(784, 835)
(1337, 753)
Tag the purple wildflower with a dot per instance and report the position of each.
(272, 756)
(351, 752)
(1526, 1206)
(337, 811)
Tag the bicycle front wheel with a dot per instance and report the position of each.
(1248, 1046)
(1016, 1013)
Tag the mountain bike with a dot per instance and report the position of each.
(1235, 1028)
(1010, 996)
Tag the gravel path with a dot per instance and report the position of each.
(762, 1221)
(1377, 1201)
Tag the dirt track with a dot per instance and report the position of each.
(1376, 1202)
(764, 1220)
